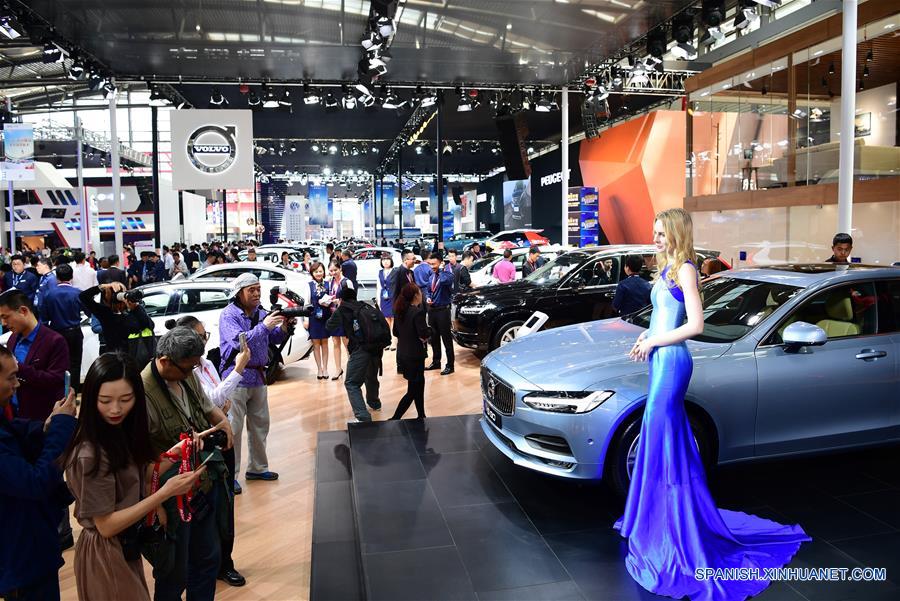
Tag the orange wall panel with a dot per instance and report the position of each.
(638, 169)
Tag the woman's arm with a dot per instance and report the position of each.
(111, 524)
(687, 280)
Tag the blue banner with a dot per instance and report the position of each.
(319, 206)
(385, 207)
(367, 213)
(330, 213)
(448, 224)
(433, 203)
(590, 219)
(409, 214)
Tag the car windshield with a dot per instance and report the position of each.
(481, 263)
(732, 307)
(556, 269)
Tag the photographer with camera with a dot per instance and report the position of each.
(104, 464)
(220, 392)
(177, 408)
(367, 333)
(120, 313)
(246, 318)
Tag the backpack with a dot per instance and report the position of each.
(370, 329)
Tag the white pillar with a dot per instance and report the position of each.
(82, 202)
(116, 180)
(848, 112)
(564, 151)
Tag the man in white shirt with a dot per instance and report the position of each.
(83, 276)
(168, 259)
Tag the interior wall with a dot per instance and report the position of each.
(881, 102)
(638, 169)
(799, 233)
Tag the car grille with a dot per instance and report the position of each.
(503, 398)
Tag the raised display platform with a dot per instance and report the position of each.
(430, 510)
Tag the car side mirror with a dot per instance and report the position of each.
(800, 334)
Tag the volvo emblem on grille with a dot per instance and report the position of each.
(492, 388)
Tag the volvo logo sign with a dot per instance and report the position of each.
(492, 388)
(212, 148)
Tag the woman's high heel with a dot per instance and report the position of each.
(338, 377)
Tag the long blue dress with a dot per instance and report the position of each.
(671, 522)
(333, 288)
(385, 300)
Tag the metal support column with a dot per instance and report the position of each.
(82, 201)
(564, 152)
(439, 186)
(116, 179)
(400, 188)
(224, 216)
(154, 128)
(256, 211)
(180, 217)
(848, 112)
(380, 208)
(12, 216)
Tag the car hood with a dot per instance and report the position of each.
(580, 356)
(518, 289)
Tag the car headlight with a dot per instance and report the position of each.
(476, 309)
(567, 402)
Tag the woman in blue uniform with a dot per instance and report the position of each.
(386, 280)
(333, 289)
(315, 323)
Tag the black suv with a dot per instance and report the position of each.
(573, 288)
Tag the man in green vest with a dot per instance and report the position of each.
(177, 404)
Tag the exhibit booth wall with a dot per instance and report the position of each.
(637, 169)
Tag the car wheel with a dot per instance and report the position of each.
(506, 334)
(623, 452)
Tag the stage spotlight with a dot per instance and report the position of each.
(217, 99)
(372, 41)
(76, 70)
(330, 100)
(315, 147)
(392, 101)
(311, 95)
(285, 101)
(332, 149)
(712, 15)
(546, 102)
(157, 98)
(683, 34)
(448, 148)
(468, 100)
(656, 43)
(53, 53)
(269, 99)
(745, 15)
(10, 27)
(253, 100)
(348, 100)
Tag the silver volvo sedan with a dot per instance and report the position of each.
(793, 359)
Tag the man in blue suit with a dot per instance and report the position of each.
(348, 267)
(633, 292)
(20, 279)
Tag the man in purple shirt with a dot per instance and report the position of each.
(245, 315)
(505, 271)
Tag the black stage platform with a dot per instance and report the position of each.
(430, 510)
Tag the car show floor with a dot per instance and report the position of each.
(849, 503)
(431, 510)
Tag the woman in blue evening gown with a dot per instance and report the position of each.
(672, 525)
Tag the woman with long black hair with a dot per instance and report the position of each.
(106, 468)
(412, 333)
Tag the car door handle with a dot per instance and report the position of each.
(868, 354)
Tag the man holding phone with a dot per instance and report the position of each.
(244, 316)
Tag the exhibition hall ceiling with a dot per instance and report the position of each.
(440, 41)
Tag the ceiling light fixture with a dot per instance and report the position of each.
(468, 100)
(683, 34)
(269, 99)
(348, 100)
(157, 98)
(712, 16)
(216, 99)
(745, 15)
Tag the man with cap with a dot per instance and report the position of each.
(245, 316)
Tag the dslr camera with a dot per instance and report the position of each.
(132, 296)
(288, 312)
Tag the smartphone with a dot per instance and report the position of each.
(67, 384)
(204, 462)
(242, 337)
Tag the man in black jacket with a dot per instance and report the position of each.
(404, 273)
(113, 274)
(362, 366)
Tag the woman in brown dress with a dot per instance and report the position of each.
(106, 467)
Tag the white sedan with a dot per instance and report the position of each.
(483, 269)
(368, 263)
(269, 275)
(204, 299)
